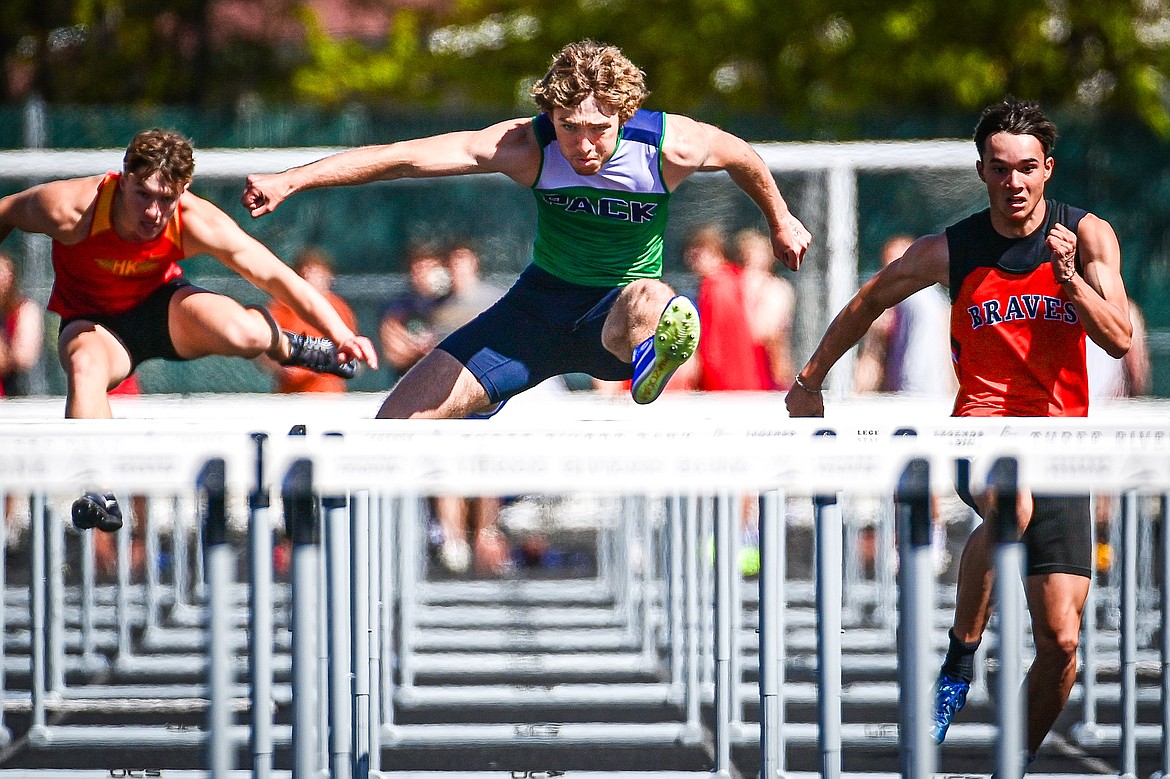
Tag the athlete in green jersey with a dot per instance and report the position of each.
(592, 300)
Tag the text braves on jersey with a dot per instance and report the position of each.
(1020, 307)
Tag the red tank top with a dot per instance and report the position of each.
(729, 358)
(104, 274)
(1017, 341)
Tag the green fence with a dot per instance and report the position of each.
(1116, 169)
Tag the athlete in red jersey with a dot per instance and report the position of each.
(117, 242)
(1029, 280)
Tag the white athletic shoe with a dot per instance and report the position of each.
(455, 555)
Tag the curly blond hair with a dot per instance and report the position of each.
(589, 68)
(165, 152)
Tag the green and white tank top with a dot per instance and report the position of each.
(605, 229)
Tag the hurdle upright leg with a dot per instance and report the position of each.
(1129, 568)
(300, 510)
(260, 640)
(915, 610)
(359, 538)
(1164, 516)
(772, 573)
(724, 688)
(37, 613)
(5, 731)
(211, 486)
(1008, 562)
(337, 618)
(828, 599)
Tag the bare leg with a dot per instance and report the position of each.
(203, 324)
(94, 362)
(972, 612)
(451, 514)
(976, 576)
(973, 595)
(491, 548)
(634, 316)
(1056, 602)
(437, 387)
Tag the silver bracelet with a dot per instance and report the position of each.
(800, 383)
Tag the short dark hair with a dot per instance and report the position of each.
(165, 152)
(1018, 117)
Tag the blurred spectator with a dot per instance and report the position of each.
(1124, 377)
(728, 358)
(315, 266)
(477, 518)
(22, 331)
(406, 327)
(770, 303)
(469, 294)
(129, 386)
(445, 293)
(1112, 379)
(908, 348)
(21, 334)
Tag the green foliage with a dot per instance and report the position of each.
(805, 61)
(138, 52)
(813, 64)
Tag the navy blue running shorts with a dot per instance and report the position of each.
(542, 327)
(144, 331)
(1058, 539)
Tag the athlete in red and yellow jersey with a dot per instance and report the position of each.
(1029, 280)
(117, 241)
(107, 274)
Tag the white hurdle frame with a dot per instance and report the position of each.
(1043, 455)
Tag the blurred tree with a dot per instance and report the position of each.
(802, 58)
(133, 52)
(808, 61)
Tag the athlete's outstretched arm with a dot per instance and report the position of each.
(693, 146)
(207, 229)
(1097, 291)
(508, 147)
(924, 263)
(55, 208)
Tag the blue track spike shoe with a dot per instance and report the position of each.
(950, 695)
(97, 509)
(317, 354)
(657, 358)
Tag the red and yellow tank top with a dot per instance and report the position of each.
(104, 274)
(1016, 338)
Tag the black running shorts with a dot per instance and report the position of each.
(1058, 539)
(542, 327)
(144, 331)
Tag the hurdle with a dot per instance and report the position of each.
(361, 491)
(148, 463)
